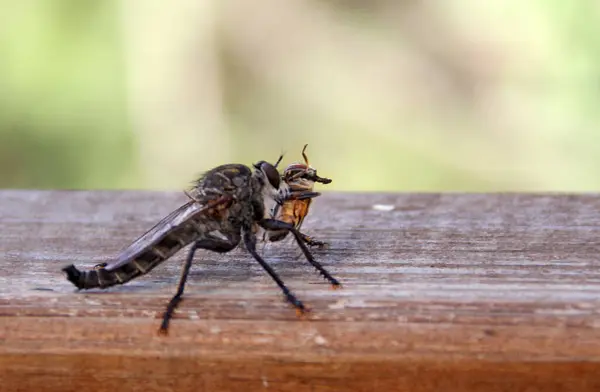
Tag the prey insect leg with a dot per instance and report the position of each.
(250, 242)
(273, 224)
(214, 244)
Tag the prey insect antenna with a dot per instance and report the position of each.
(304, 155)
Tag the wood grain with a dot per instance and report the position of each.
(442, 292)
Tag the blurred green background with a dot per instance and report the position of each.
(455, 95)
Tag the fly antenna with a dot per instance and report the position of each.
(280, 158)
(304, 155)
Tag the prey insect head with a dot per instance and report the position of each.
(270, 173)
(303, 171)
(322, 180)
(311, 175)
(297, 171)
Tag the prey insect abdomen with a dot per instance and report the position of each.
(292, 212)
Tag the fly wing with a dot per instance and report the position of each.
(172, 221)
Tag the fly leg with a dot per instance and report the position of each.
(213, 244)
(300, 195)
(272, 224)
(312, 242)
(279, 201)
(250, 242)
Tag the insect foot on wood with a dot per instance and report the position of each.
(227, 205)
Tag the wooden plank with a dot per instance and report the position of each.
(451, 292)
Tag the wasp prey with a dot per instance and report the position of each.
(300, 179)
(227, 206)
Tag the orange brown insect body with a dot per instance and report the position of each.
(300, 179)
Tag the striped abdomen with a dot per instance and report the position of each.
(164, 240)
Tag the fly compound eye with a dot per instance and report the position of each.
(271, 173)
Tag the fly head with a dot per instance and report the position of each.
(267, 176)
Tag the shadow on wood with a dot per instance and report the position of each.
(441, 292)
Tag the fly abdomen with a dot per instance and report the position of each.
(140, 264)
(90, 279)
(146, 260)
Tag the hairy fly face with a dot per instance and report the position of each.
(268, 174)
(269, 180)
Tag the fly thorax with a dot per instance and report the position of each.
(273, 202)
(269, 196)
(266, 182)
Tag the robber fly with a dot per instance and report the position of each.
(300, 180)
(227, 205)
